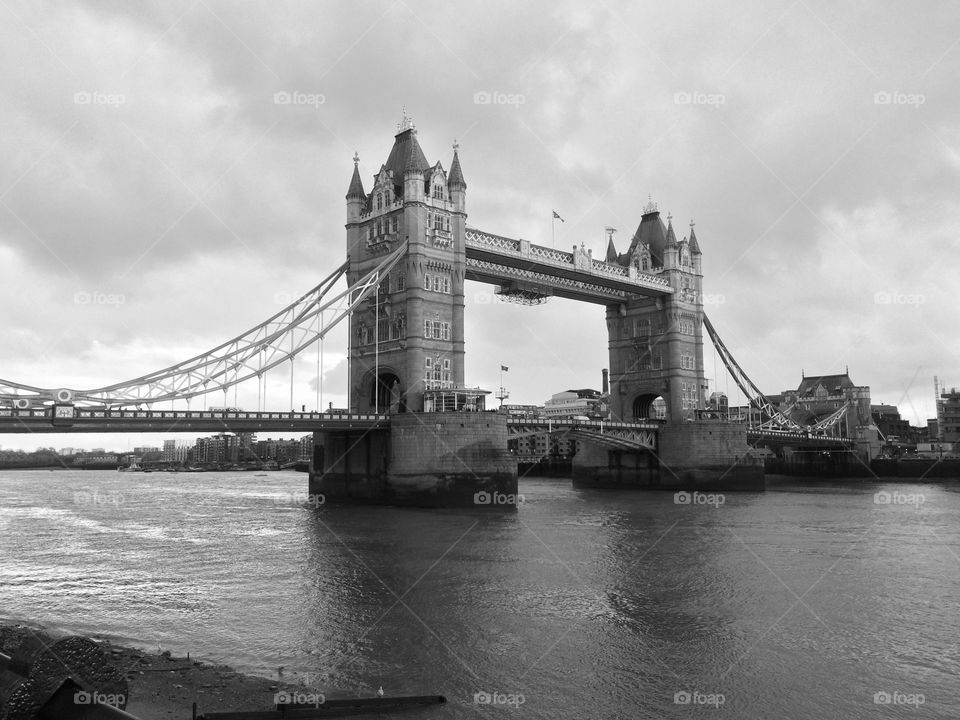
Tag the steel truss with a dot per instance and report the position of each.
(775, 418)
(278, 339)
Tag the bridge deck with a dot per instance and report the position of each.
(40, 420)
(799, 439)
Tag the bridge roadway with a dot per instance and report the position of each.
(38, 420)
(519, 265)
(620, 435)
(796, 439)
(73, 419)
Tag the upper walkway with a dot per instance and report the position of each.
(521, 265)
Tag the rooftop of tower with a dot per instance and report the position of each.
(406, 154)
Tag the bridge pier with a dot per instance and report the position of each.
(443, 459)
(701, 455)
(597, 466)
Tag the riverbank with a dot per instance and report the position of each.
(163, 686)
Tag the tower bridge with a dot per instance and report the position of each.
(414, 431)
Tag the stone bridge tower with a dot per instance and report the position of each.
(409, 336)
(656, 345)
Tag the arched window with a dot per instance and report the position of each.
(379, 201)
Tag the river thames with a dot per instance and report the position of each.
(802, 602)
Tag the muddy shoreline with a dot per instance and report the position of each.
(164, 686)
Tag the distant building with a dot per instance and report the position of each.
(543, 445)
(529, 412)
(68, 451)
(174, 451)
(819, 396)
(571, 403)
(718, 402)
(225, 448)
(306, 448)
(950, 411)
(891, 426)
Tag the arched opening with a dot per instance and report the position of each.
(649, 407)
(386, 394)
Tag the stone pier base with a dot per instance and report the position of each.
(452, 459)
(703, 455)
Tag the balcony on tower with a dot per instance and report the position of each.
(439, 238)
(382, 235)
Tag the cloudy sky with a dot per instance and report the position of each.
(155, 200)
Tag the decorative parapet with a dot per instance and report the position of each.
(580, 259)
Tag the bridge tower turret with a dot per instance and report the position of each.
(656, 344)
(410, 338)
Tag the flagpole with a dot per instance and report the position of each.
(553, 230)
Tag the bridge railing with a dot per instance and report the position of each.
(560, 258)
(793, 434)
(568, 422)
(90, 413)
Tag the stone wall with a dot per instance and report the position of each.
(692, 444)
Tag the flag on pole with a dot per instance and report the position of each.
(504, 368)
(557, 216)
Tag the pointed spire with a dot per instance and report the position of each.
(455, 180)
(671, 237)
(356, 184)
(694, 245)
(612, 255)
